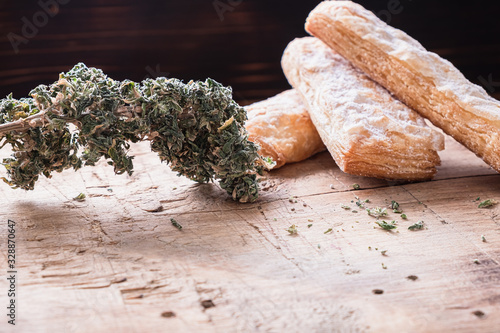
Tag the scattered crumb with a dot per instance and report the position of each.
(483, 238)
(292, 230)
(384, 252)
(207, 304)
(352, 271)
(487, 203)
(378, 291)
(478, 313)
(377, 212)
(386, 226)
(176, 224)
(155, 210)
(476, 261)
(168, 314)
(412, 277)
(80, 197)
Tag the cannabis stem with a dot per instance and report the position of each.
(195, 127)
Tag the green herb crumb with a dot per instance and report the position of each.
(395, 207)
(356, 186)
(483, 238)
(292, 230)
(387, 226)
(377, 212)
(404, 217)
(86, 116)
(361, 203)
(487, 203)
(417, 226)
(176, 224)
(80, 197)
(328, 231)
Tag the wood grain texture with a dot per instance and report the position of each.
(115, 263)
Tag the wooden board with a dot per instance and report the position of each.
(115, 263)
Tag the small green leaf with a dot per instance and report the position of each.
(80, 197)
(386, 226)
(417, 226)
(487, 203)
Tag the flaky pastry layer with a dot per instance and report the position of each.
(366, 130)
(281, 126)
(424, 81)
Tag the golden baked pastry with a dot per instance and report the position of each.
(366, 130)
(283, 129)
(424, 81)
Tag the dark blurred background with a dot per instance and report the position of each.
(237, 42)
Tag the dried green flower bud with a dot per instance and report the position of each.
(196, 127)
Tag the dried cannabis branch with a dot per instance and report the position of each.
(196, 127)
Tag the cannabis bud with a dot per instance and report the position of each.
(196, 127)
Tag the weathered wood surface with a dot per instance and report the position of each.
(115, 263)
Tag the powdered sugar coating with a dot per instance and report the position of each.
(358, 106)
(446, 77)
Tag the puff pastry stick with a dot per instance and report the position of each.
(366, 130)
(283, 129)
(421, 79)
